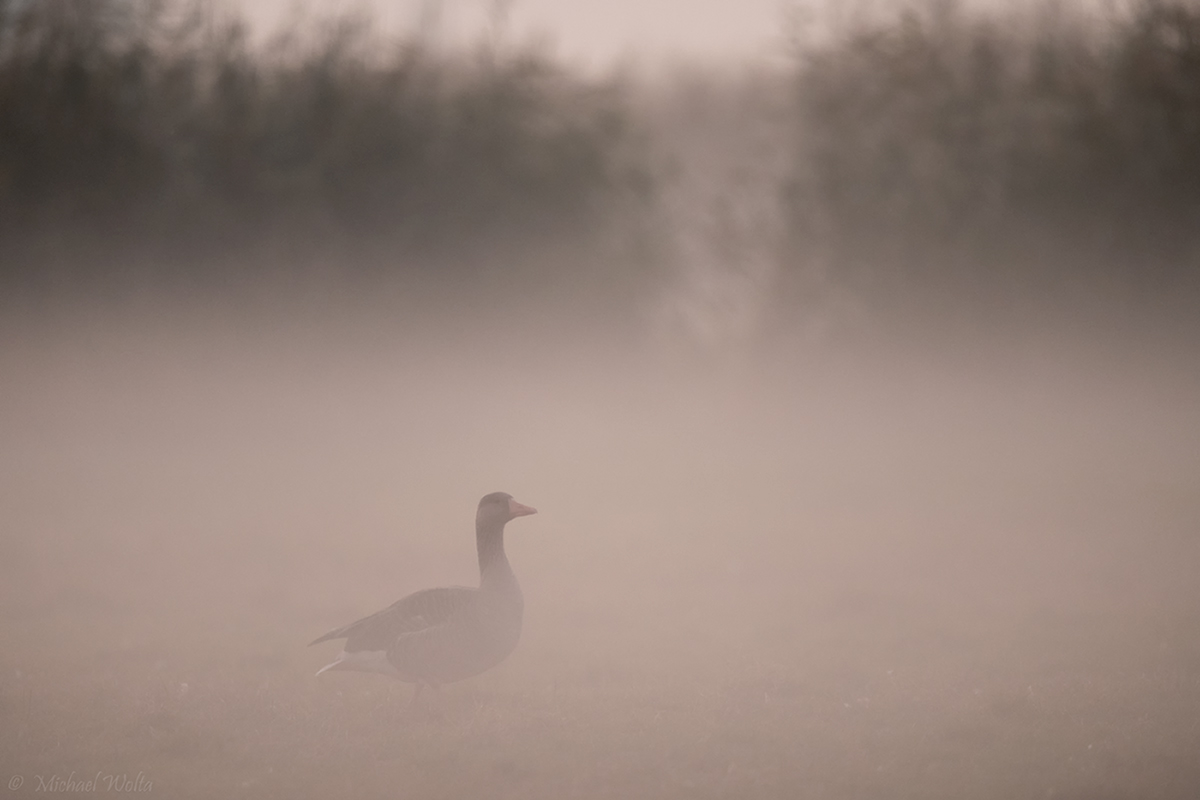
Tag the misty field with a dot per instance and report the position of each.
(872, 576)
(857, 390)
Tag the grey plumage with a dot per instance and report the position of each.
(445, 634)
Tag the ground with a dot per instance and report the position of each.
(881, 581)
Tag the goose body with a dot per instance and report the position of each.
(449, 633)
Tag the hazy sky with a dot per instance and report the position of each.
(597, 31)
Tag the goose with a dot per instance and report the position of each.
(449, 633)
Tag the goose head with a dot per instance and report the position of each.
(498, 508)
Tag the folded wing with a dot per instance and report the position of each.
(418, 611)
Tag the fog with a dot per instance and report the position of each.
(856, 576)
(858, 396)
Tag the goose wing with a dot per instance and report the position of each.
(418, 611)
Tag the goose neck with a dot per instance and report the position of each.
(493, 563)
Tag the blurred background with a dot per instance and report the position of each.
(913, 165)
(849, 352)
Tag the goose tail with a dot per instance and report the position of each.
(335, 664)
(362, 661)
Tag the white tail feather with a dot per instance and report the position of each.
(362, 661)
